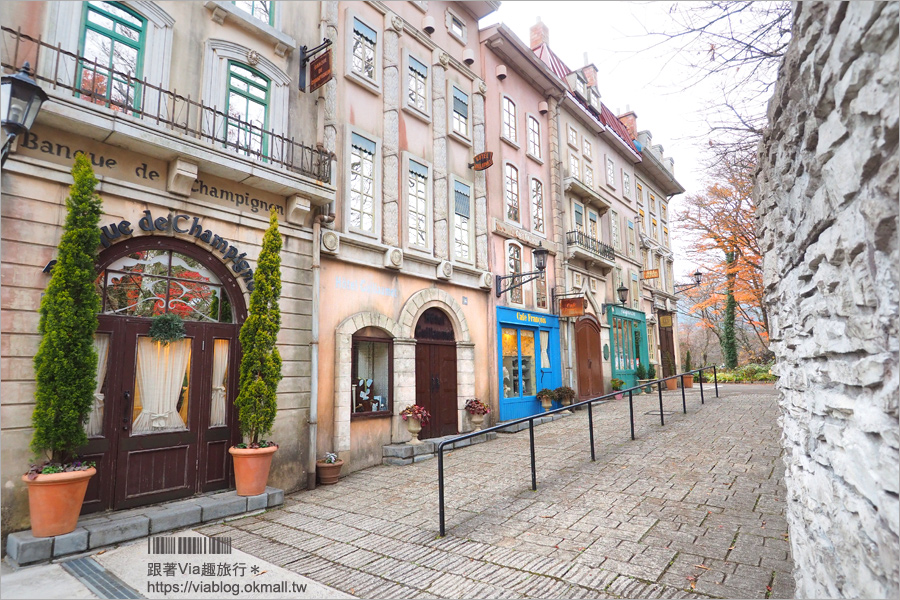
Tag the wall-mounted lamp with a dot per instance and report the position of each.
(698, 276)
(468, 56)
(622, 293)
(501, 72)
(22, 100)
(428, 25)
(540, 261)
(543, 107)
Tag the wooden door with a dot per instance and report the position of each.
(667, 345)
(218, 415)
(436, 387)
(589, 359)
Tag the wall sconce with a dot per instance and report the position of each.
(698, 277)
(622, 292)
(501, 72)
(22, 100)
(543, 108)
(428, 25)
(468, 56)
(540, 261)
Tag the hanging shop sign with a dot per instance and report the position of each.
(651, 274)
(482, 161)
(320, 71)
(572, 307)
(182, 224)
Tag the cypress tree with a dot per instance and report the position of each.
(257, 401)
(65, 365)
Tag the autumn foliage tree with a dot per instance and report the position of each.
(719, 225)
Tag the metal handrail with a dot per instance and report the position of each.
(154, 104)
(589, 403)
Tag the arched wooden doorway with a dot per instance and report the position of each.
(436, 373)
(164, 415)
(589, 358)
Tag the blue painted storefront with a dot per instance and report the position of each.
(628, 342)
(529, 355)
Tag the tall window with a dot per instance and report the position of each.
(362, 183)
(574, 167)
(461, 226)
(372, 368)
(586, 148)
(113, 41)
(509, 120)
(259, 10)
(514, 267)
(635, 296)
(537, 205)
(364, 41)
(643, 223)
(248, 102)
(417, 205)
(655, 230)
(581, 86)
(666, 237)
(534, 137)
(460, 113)
(663, 212)
(626, 184)
(573, 137)
(579, 218)
(540, 291)
(652, 204)
(593, 227)
(614, 228)
(588, 175)
(670, 276)
(639, 193)
(610, 172)
(512, 193)
(631, 239)
(418, 88)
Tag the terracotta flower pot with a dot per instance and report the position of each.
(251, 469)
(329, 473)
(689, 381)
(414, 427)
(477, 420)
(55, 501)
(671, 384)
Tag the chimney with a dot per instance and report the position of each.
(629, 119)
(540, 34)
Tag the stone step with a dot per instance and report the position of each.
(407, 454)
(97, 531)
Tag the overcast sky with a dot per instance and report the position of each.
(634, 71)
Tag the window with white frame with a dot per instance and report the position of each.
(462, 228)
(652, 204)
(655, 282)
(417, 90)
(580, 86)
(534, 137)
(610, 172)
(670, 276)
(574, 167)
(666, 237)
(509, 120)
(362, 183)
(456, 26)
(365, 40)
(259, 10)
(626, 185)
(588, 176)
(537, 206)
(643, 221)
(639, 193)
(577, 280)
(593, 225)
(578, 215)
(655, 230)
(573, 137)
(585, 147)
(595, 100)
(417, 205)
(511, 188)
(614, 229)
(635, 295)
(645, 259)
(663, 212)
(460, 115)
(631, 239)
(514, 267)
(540, 290)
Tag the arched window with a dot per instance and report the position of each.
(248, 110)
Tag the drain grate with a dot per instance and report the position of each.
(97, 579)
(656, 412)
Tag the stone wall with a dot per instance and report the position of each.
(827, 193)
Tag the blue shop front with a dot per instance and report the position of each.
(529, 360)
(628, 341)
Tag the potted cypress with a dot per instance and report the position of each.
(689, 378)
(65, 366)
(257, 400)
(640, 374)
(651, 376)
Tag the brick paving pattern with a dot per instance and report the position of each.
(691, 510)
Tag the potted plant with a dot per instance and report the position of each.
(257, 400)
(616, 385)
(65, 366)
(651, 376)
(640, 373)
(477, 411)
(546, 397)
(415, 416)
(565, 395)
(689, 378)
(329, 469)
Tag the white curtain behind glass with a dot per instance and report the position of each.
(159, 377)
(220, 372)
(95, 419)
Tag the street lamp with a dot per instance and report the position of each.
(540, 261)
(22, 98)
(698, 276)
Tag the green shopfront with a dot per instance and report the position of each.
(628, 342)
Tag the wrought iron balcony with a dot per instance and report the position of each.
(102, 85)
(595, 248)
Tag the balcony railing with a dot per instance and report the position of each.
(578, 238)
(101, 84)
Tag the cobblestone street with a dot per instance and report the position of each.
(692, 509)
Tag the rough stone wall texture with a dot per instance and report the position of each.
(827, 197)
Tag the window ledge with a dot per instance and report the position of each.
(412, 110)
(536, 159)
(363, 416)
(460, 138)
(510, 142)
(368, 84)
(284, 44)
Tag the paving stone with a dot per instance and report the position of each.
(24, 548)
(70, 543)
(118, 530)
